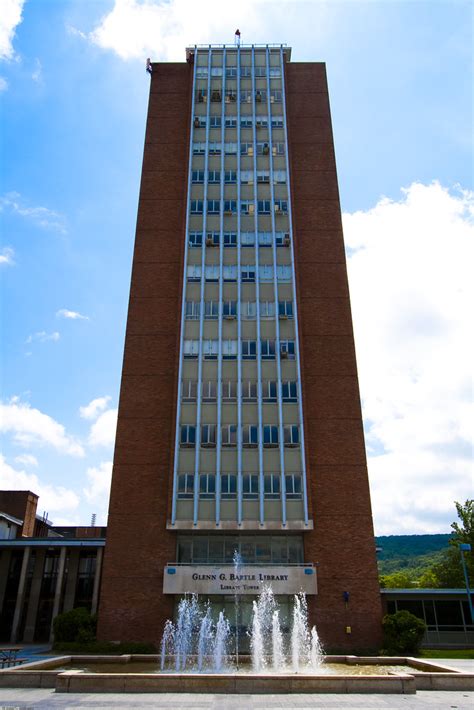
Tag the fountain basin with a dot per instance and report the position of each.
(401, 675)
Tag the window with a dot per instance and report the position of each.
(263, 148)
(207, 486)
(189, 391)
(250, 486)
(211, 310)
(287, 349)
(264, 207)
(188, 436)
(230, 239)
(208, 435)
(293, 486)
(230, 310)
(247, 239)
(250, 435)
(269, 391)
(229, 391)
(285, 309)
(216, 95)
(246, 177)
(246, 122)
(201, 72)
(211, 272)
(230, 206)
(245, 96)
(191, 349)
(265, 239)
(231, 122)
(197, 176)
(263, 176)
(209, 391)
(261, 122)
(270, 436)
(249, 391)
(192, 310)
(274, 71)
(282, 239)
(229, 349)
(199, 148)
(277, 121)
(229, 435)
(230, 177)
(271, 486)
(216, 71)
(212, 239)
(265, 272)
(229, 272)
(283, 272)
(245, 71)
(267, 309)
(279, 177)
(278, 149)
(230, 148)
(249, 310)
(247, 207)
(214, 177)
(228, 486)
(215, 122)
(268, 349)
(197, 206)
(213, 206)
(185, 485)
(289, 391)
(249, 349)
(281, 207)
(201, 95)
(275, 97)
(195, 239)
(215, 148)
(260, 94)
(291, 435)
(210, 349)
(248, 273)
(246, 149)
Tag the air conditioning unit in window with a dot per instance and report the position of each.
(232, 97)
(258, 96)
(265, 149)
(286, 240)
(283, 353)
(196, 123)
(216, 96)
(260, 124)
(277, 208)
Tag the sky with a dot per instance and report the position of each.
(74, 93)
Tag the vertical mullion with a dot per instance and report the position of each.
(275, 291)
(295, 306)
(183, 301)
(239, 312)
(201, 313)
(257, 298)
(221, 304)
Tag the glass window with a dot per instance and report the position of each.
(229, 391)
(249, 349)
(285, 309)
(249, 391)
(230, 239)
(212, 239)
(214, 177)
(189, 390)
(201, 96)
(230, 206)
(230, 309)
(228, 486)
(264, 206)
(208, 435)
(263, 148)
(197, 206)
(250, 435)
(282, 239)
(229, 349)
(230, 148)
(268, 349)
(279, 177)
(209, 391)
(213, 206)
(188, 435)
(215, 122)
(270, 435)
(263, 550)
(211, 272)
(207, 487)
(216, 71)
(263, 176)
(271, 486)
(289, 391)
(276, 97)
(250, 486)
(210, 349)
(229, 272)
(265, 239)
(195, 239)
(246, 149)
(283, 272)
(249, 310)
(269, 391)
(185, 485)
(199, 148)
(247, 207)
(277, 121)
(246, 122)
(230, 177)
(216, 550)
(265, 272)
(197, 176)
(278, 149)
(260, 94)
(247, 239)
(215, 148)
(185, 548)
(246, 177)
(287, 349)
(292, 435)
(281, 206)
(192, 309)
(248, 273)
(229, 435)
(191, 349)
(267, 309)
(193, 272)
(231, 122)
(216, 95)
(211, 310)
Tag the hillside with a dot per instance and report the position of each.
(409, 552)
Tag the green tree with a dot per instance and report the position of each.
(403, 632)
(397, 580)
(448, 571)
(465, 531)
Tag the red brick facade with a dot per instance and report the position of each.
(342, 543)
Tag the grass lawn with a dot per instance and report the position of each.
(447, 653)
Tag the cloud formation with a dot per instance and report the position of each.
(6, 256)
(93, 409)
(26, 460)
(10, 18)
(70, 315)
(42, 337)
(29, 426)
(103, 430)
(42, 217)
(3, 84)
(410, 275)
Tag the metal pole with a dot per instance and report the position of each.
(466, 547)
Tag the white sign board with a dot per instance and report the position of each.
(223, 579)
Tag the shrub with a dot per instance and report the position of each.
(403, 632)
(75, 625)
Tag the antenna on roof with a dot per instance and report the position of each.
(93, 520)
(237, 38)
(149, 66)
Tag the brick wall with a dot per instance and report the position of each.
(342, 543)
(132, 607)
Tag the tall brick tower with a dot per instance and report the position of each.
(239, 421)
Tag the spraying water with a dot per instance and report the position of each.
(237, 565)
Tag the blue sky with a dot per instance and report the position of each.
(74, 97)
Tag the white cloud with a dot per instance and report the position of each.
(99, 483)
(26, 460)
(6, 256)
(410, 273)
(42, 337)
(102, 432)
(92, 410)
(70, 315)
(3, 84)
(41, 216)
(52, 498)
(29, 426)
(37, 74)
(10, 18)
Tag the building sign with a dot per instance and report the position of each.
(251, 579)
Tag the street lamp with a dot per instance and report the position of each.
(466, 547)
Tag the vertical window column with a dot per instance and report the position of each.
(239, 311)
(281, 444)
(295, 306)
(183, 307)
